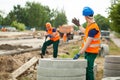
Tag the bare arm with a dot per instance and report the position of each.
(86, 45)
(82, 29)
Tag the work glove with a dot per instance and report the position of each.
(75, 21)
(76, 56)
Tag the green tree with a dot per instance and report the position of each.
(35, 15)
(102, 22)
(9, 18)
(38, 15)
(60, 18)
(114, 15)
(1, 17)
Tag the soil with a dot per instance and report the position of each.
(10, 63)
(11, 47)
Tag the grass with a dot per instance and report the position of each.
(72, 50)
(117, 34)
(114, 50)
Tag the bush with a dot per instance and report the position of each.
(18, 26)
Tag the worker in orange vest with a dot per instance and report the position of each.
(54, 39)
(91, 41)
(3, 29)
(65, 37)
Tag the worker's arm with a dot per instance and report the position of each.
(46, 33)
(89, 39)
(86, 45)
(82, 29)
(91, 35)
(77, 23)
(54, 32)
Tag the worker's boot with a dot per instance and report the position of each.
(41, 55)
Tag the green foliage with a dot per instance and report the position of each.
(60, 19)
(114, 15)
(72, 54)
(102, 22)
(76, 27)
(19, 26)
(35, 15)
(84, 25)
(114, 49)
(1, 18)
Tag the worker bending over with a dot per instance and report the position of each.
(54, 39)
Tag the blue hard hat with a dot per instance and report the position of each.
(87, 11)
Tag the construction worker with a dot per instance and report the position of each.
(3, 29)
(54, 39)
(91, 41)
(65, 37)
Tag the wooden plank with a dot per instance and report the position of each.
(18, 62)
(24, 67)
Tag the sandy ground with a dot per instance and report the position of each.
(10, 63)
(15, 61)
(14, 41)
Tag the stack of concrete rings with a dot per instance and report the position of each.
(61, 69)
(112, 66)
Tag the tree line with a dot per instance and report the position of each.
(34, 15)
(114, 16)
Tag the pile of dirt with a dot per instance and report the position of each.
(10, 63)
(6, 67)
(11, 47)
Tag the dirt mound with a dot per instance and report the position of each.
(11, 47)
(10, 63)
(6, 67)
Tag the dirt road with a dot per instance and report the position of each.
(115, 39)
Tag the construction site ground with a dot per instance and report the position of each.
(17, 41)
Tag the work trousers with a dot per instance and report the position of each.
(55, 47)
(90, 57)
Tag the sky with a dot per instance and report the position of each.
(72, 8)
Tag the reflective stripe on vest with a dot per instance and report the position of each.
(96, 39)
(94, 45)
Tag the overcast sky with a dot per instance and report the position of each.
(73, 8)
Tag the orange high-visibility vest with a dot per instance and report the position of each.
(57, 36)
(64, 37)
(95, 44)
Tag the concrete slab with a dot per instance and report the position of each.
(62, 63)
(111, 78)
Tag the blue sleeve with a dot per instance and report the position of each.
(92, 33)
(54, 30)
